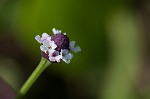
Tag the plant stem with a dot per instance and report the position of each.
(36, 73)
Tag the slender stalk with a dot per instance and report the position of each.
(36, 73)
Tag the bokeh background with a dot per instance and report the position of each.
(114, 37)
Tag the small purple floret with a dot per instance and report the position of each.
(61, 40)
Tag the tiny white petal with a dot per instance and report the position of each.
(68, 56)
(52, 44)
(52, 59)
(71, 44)
(46, 43)
(76, 49)
(45, 35)
(38, 38)
(73, 48)
(58, 58)
(51, 51)
(43, 48)
(67, 61)
(49, 38)
(64, 51)
(56, 31)
(64, 33)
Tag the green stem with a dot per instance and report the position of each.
(36, 73)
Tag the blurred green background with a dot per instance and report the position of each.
(114, 37)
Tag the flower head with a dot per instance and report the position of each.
(57, 47)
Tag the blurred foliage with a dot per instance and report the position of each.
(125, 56)
(108, 32)
(10, 73)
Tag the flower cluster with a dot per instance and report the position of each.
(57, 47)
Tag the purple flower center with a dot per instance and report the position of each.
(61, 40)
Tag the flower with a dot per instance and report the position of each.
(57, 47)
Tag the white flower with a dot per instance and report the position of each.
(47, 44)
(52, 44)
(66, 56)
(41, 39)
(54, 55)
(74, 49)
(56, 31)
